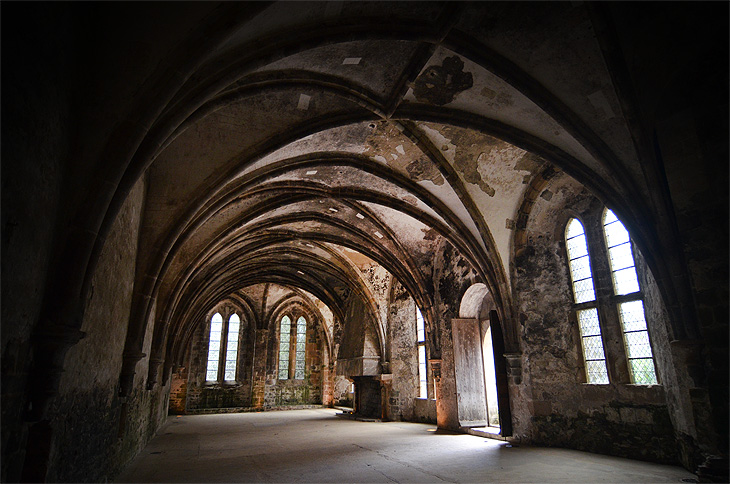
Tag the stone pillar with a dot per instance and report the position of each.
(447, 404)
(258, 384)
(328, 385)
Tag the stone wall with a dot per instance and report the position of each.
(403, 354)
(107, 430)
(257, 383)
(552, 405)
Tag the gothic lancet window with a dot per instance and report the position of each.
(292, 346)
(301, 348)
(222, 351)
(584, 295)
(631, 306)
(284, 340)
(214, 347)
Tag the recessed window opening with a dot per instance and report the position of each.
(300, 348)
(594, 356)
(234, 324)
(222, 348)
(284, 339)
(631, 311)
(421, 341)
(214, 347)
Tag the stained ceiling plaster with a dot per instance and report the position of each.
(350, 141)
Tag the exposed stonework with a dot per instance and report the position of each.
(349, 163)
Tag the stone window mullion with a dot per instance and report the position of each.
(618, 369)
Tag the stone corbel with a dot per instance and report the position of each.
(153, 372)
(129, 364)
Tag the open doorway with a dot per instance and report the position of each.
(490, 379)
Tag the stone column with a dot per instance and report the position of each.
(447, 404)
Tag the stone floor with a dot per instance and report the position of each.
(316, 446)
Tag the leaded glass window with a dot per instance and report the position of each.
(623, 272)
(214, 347)
(580, 269)
(631, 313)
(594, 355)
(284, 340)
(421, 337)
(234, 324)
(300, 348)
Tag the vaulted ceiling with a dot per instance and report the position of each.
(281, 142)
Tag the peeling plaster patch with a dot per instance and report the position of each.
(360, 216)
(410, 199)
(312, 172)
(300, 272)
(529, 162)
(429, 234)
(334, 210)
(309, 245)
(380, 159)
(600, 102)
(395, 157)
(420, 170)
(304, 102)
(378, 234)
(440, 84)
(351, 61)
(400, 149)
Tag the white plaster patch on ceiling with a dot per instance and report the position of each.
(447, 148)
(333, 209)
(304, 102)
(378, 234)
(311, 172)
(410, 231)
(447, 195)
(380, 159)
(360, 216)
(400, 149)
(351, 61)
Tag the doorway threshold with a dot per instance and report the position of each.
(488, 432)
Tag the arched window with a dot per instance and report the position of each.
(584, 295)
(218, 347)
(631, 307)
(301, 348)
(421, 341)
(234, 324)
(284, 340)
(214, 347)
